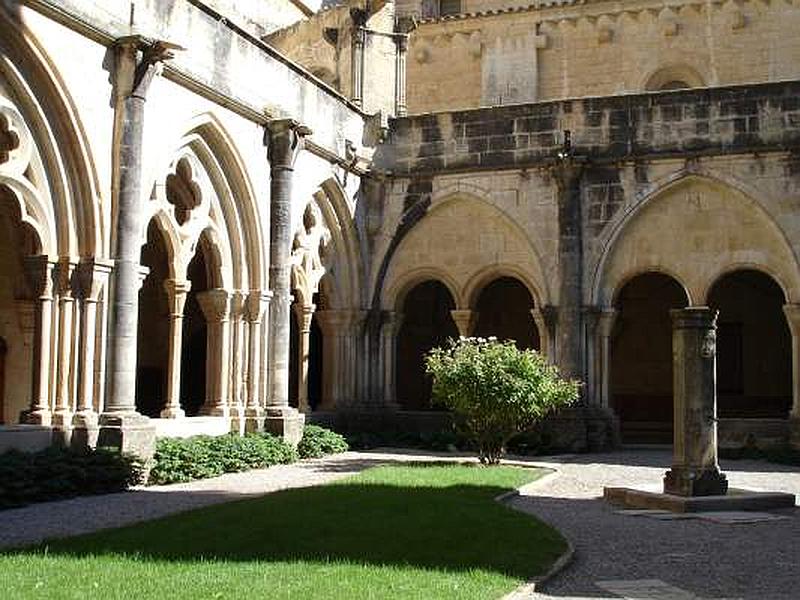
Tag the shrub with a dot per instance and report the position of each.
(318, 441)
(495, 390)
(59, 473)
(202, 456)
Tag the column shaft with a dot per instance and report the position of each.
(176, 295)
(39, 272)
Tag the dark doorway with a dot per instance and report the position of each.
(195, 335)
(427, 323)
(754, 347)
(504, 311)
(641, 358)
(153, 333)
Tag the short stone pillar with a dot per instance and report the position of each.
(695, 471)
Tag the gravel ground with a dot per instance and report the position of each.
(708, 560)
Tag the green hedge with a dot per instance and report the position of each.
(318, 441)
(199, 457)
(58, 473)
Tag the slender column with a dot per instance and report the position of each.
(238, 360)
(91, 277)
(137, 65)
(546, 319)
(285, 139)
(544, 333)
(304, 312)
(608, 317)
(256, 305)
(695, 471)
(567, 174)
(465, 321)
(391, 326)
(216, 306)
(39, 274)
(177, 291)
(591, 319)
(401, 102)
(359, 17)
(792, 312)
(62, 413)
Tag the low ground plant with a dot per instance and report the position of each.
(200, 457)
(59, 473)
(496, 390)
(318, 442)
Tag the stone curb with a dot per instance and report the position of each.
(526, 590)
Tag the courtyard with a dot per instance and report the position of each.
(380, 532)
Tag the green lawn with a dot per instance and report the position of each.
(419, 531)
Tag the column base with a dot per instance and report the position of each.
(85, 430)
(215, 411)
(37, 417)
(685, 481)
(285, 422)
(794, 431)
(172, 412)
(253, 420)
(130, 433)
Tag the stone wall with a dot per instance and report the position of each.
(603, 48)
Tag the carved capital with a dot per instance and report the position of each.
(176, 294)
(284, 139)
(304, 313)
(215, 304)
(39, 276)
(139, 60)
(607, 319)
(90, 277)
(256, 304)
(465, 321)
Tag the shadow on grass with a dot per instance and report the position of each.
(454, 527)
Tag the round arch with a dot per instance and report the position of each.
(673, 77)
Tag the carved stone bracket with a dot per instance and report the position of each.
(284, 139)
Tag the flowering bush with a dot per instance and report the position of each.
(495, 390)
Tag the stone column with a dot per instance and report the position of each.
(62, 413)
(177, 290)
(608, 317)
(121, 426)
(567, 173)
(695, 471)
(546, 319)
(792, 312)
(400, 97)
(465, 321)
(239, 359)
(39, 275)
(91, 278)
(359, 17)
(216, 307)
(591, 320)
(304, 312)
(285, 138)
(255, 307)
(392, 321)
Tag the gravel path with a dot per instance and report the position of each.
(703, 559)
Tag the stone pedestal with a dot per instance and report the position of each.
(131, 433)
(695, 471)
(285, 422)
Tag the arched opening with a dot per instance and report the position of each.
(153, 333)
(194, 354)
(427, 323)
(754, 347)
(641, 357)
(504, 311)
(674, 77)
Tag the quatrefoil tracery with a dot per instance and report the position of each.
(183, 192)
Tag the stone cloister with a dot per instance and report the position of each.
(211, 226)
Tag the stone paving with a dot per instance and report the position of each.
(617, 555)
